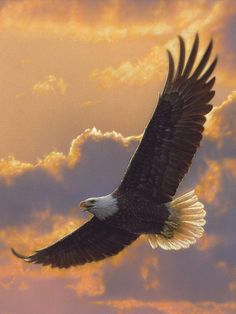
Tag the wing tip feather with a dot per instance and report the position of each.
(19, 255)
(196, 37)
(171, 70)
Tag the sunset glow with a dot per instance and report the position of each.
(79, 82)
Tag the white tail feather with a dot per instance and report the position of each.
(184, 225)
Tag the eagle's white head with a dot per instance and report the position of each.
(101, 207)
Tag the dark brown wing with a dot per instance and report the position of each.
(94, 241)
(175, 129)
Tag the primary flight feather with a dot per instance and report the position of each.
(144, 203)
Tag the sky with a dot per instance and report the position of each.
(79, 81)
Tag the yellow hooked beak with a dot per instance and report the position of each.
(84, 206)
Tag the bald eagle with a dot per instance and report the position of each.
(144, 202)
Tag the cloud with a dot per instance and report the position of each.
(142, 70)
(165, 307)
(220, 126)
(51, 85)
(90, 283)
(45, 228)
(187, 20)
(229, 270)
(212, 178)
(230, 166)
(109, 21)
(55, 161)
(209, 241)
(218, 155)
(96, 135)
(149, 274)
(89, 103)
(112, 20)
(11, 167)
(101, 21)
(60, 181)
(130, 73)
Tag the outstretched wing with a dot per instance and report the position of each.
(175, 129)
(94, 241)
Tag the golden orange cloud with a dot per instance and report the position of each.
(150, 278)
(217, 126)
(96, 135)
(138, 58)
(51, 85)
(77, 19)
(84, 281)
(190, 18)
(36, 16)
(22, 236)
(87, 280)
(90, 283)
(11, 167)
(130, 73)
(54, 161)
(230, 165)
(208, 242)
(212, 178)
(167, 307)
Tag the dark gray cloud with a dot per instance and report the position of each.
(98, 172)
